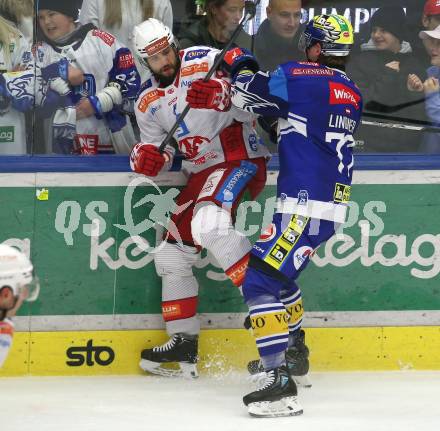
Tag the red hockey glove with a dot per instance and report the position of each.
(146, 159)
(213, 94)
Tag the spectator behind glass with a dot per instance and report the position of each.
(89, 118)
(430, 87)
(215, 29)
(277, 39)
(21, 13)
(119, 17)
(15, 57)
(428, 18)
(381, 70)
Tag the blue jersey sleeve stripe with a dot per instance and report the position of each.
(278, 84)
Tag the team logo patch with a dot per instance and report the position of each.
(311, 72)
(340, 94)
(7, 134)
(103, 35)
(286, 242)
(278, 254)
(268, 234)
(301, 255)
(198, 53)
(231, 55)
(148, 98)
(193, 69)
(170, 311)
(303, 197)
(211, 184)
(126, 61)
(191, 146)
(342, 193)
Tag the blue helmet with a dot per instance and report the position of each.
(333, 32)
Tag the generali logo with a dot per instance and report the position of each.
(340, 94)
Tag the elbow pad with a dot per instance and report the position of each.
(109, 97)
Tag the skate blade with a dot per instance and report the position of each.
(288, 406)
(303, 381)
(187, 371)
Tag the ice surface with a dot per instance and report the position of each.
(401, 401)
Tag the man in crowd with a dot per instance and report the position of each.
(223, 158)
(319, 109)
(277, 39)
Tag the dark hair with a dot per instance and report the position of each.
(334, 62)
(210, 4)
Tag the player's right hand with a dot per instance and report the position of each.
(147, 160)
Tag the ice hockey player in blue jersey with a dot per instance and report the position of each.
(318, 109)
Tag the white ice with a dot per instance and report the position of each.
(400, 401)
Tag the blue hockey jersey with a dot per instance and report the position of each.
(319, 109)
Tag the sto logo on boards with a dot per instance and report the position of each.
(101, 355)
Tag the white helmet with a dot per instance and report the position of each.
(152, 37)
(16, 273)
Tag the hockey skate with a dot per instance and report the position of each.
(181, 349)
(297, 360)
(276, 397)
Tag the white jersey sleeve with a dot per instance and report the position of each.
(6, 334)
(91, 13)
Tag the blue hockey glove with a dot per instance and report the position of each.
(237, 59)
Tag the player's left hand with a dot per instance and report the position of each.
(84, 109)
(213, 94)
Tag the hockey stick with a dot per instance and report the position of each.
(399, 123)
(250, 9)
(402, 126)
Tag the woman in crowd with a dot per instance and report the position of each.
(215, 29)
(90, 118)
(381, 71)
(21, 13)
(119, 17)
(14, 56)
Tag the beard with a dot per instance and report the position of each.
(166, 80)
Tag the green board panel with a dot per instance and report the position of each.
(83, 272)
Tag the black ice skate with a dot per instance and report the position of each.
(276, 397)
(297, 360)
(181, 349)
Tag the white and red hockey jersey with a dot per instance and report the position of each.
(206, 137)
(6, 334)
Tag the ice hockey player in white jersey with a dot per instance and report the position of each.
(15, 56)
(17, 284)
(90, 118)
(223, 159)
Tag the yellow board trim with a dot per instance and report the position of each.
(221, 351)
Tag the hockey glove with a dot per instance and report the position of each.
(213, 94)
(147, 160)
(238, 59)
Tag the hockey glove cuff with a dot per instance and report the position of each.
(237, 59)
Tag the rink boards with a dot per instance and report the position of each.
(371, 294)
